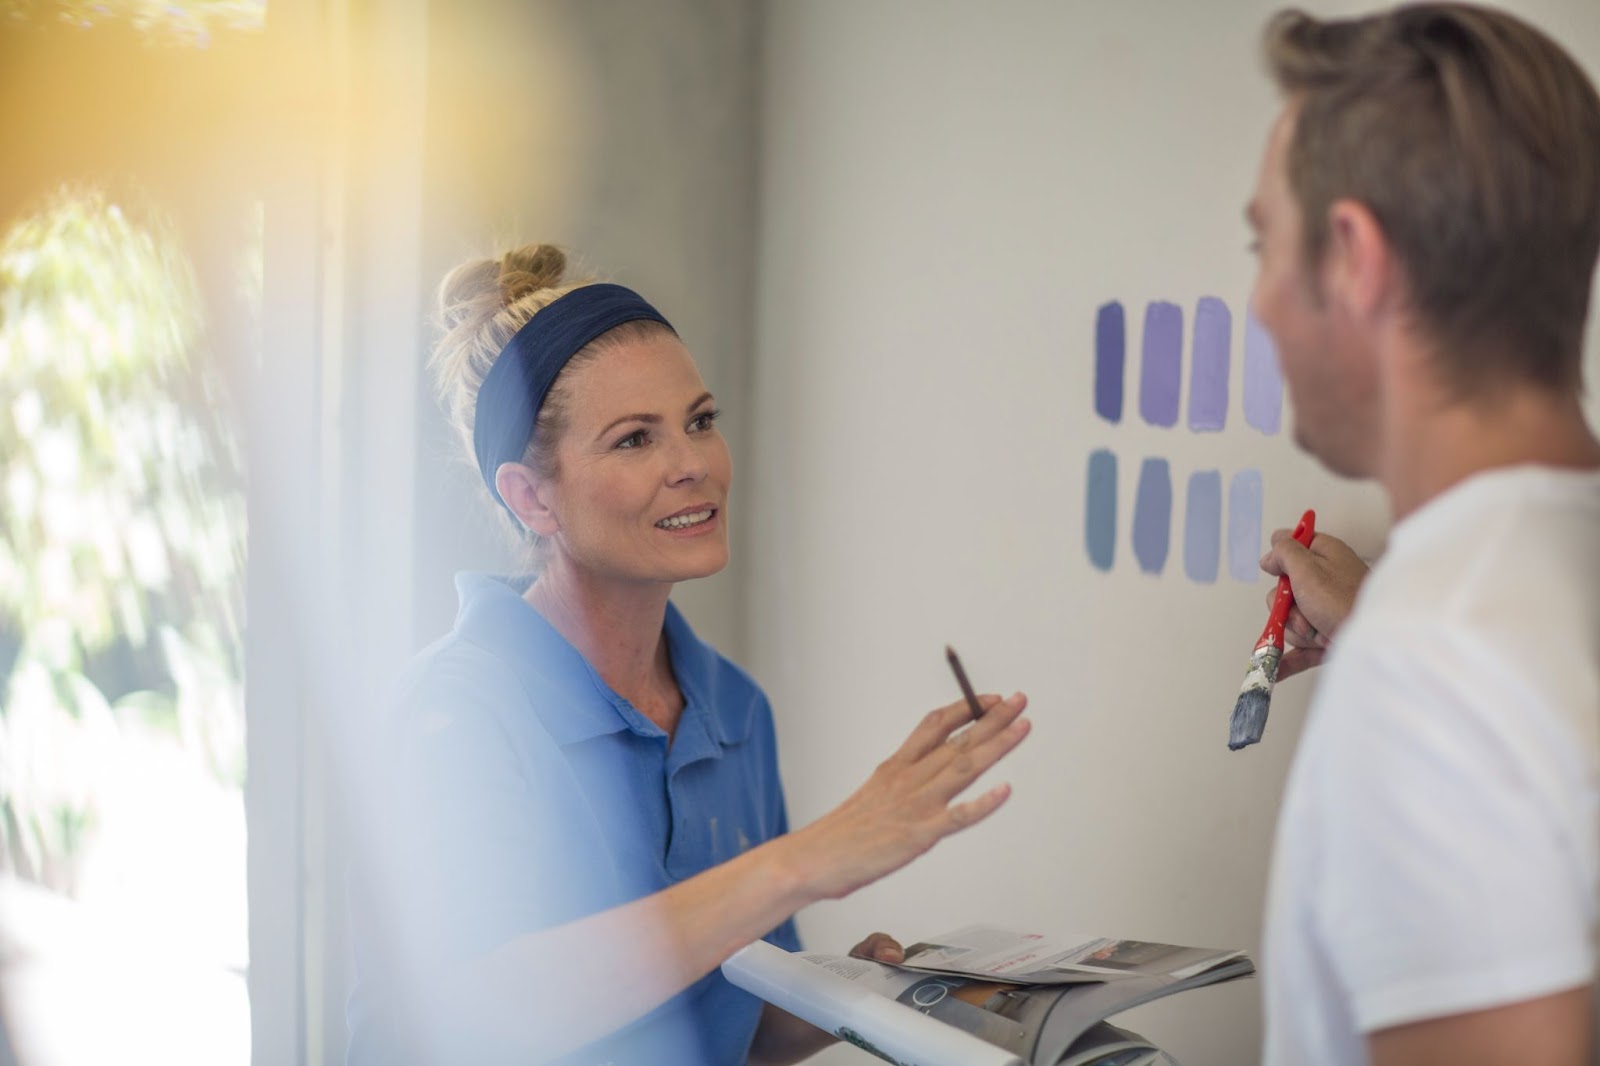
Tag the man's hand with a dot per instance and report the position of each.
(1325, 578)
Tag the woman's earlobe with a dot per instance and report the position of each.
(519, 487)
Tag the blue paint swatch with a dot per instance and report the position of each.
(1110, 356)
(1100, 509)
(1208, 369)
(1152, 516)
(1244, 525)
(1161, 369)
(1202, 526)
(1263, 380)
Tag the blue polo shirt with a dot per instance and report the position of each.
(532, 794)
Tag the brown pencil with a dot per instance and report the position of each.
(966, 686)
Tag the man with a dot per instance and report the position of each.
(1427, 217)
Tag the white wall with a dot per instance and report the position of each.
(949, 190)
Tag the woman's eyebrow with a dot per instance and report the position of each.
(648, 419)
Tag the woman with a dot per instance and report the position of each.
(593, 815)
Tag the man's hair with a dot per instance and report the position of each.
(1474, 140)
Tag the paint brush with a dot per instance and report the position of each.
(1249, 719)
(966, 686)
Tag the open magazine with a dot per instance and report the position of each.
(984, 996)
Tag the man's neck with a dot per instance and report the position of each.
(618, 627)
(1433, 443)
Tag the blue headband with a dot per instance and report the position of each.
(516, 385)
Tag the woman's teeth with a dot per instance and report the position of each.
(680, 521)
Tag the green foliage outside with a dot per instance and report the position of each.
(121, 524)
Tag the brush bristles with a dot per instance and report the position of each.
(1249, 719)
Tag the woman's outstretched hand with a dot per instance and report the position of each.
(908, 804)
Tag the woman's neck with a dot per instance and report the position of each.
(618, 627)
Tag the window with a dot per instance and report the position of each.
(122, 545)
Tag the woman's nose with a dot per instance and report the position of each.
(688, 462)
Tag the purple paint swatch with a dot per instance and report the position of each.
(1208, 369)
(1162, 366)
(1263, 381)
(1110, 355)
(1244, 526)
(1202, 526)
(1152, 516)
(1100, 510)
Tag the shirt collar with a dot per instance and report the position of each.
(494, 616)
(703, 676)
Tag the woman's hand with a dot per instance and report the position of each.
(527, 994)
(1325, 578)
(880, 947)
(906, 806)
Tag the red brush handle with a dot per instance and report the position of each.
(1283, 599)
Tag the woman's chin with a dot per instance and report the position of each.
(711, 563)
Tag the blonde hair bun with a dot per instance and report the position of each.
(479, 289)
(526, 270)
(482, 304)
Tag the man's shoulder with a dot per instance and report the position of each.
(1485, 614)
(1520, 554)
(1489, 644)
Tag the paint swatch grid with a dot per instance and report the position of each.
(1160, 389)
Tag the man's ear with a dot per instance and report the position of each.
(1359, 266)
(525, 492)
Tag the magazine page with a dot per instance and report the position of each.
(922, 1018)
(1000, 1014)
(850, 999)
(1084, 1006)
(1043, 1024)
(1031, 958)
(1107, 1045)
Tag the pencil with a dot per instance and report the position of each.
(966, 686)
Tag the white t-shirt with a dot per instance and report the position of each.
(1439, 842)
